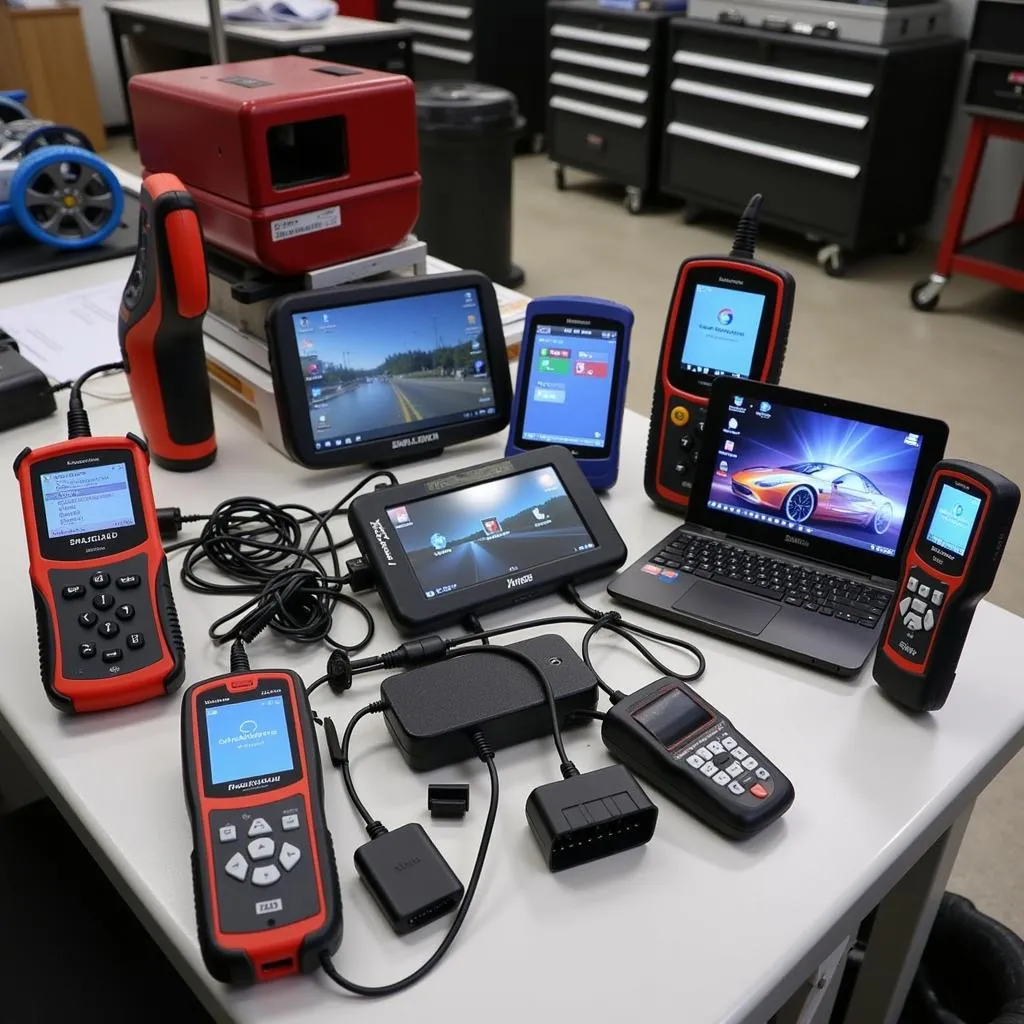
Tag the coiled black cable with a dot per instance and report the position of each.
(261, 549)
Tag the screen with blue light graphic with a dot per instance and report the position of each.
(491, 529)
(813, 473)
(87, 500)
(569, 386)
(722, 333)
(248, 739)
(380, 369)
(953, 520)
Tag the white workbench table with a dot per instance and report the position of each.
(196, 14)
(691, 928)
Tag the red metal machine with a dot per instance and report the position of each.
(294, 164)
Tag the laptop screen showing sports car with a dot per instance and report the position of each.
(817, 475)
(814, 473)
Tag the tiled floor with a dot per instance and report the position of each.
(858, 338)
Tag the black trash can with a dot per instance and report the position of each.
(467, 137)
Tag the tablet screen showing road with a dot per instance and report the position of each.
(382, 369)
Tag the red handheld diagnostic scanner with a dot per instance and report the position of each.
(266, 885)
(949, 566)
(160, 326)
(729, 316)
(108, 629)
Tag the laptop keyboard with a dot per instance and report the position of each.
(755, 573)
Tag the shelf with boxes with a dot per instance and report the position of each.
(844, 139)
(605, 91)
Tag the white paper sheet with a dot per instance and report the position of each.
(66, 336)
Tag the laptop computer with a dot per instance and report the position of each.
(800, 508)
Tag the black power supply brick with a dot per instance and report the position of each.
(25, 393)
(434, 710)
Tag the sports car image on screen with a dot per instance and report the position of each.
(815, 491)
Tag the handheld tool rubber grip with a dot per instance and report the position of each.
(160, 327)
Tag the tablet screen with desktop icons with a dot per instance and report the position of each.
(378, 369)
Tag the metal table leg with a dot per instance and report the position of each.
(901, 927)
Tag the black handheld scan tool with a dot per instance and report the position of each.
(696, 757)
(949, 566)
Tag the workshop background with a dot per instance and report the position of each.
(855, 336)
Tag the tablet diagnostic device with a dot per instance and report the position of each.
(571, 386)
(388, 371)
(484, 537)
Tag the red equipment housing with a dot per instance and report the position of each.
(294, 164)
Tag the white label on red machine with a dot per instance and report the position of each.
(305, 223)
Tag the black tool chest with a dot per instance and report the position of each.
(500, 42)
(605, 89)
(995, 84)
(844, 140)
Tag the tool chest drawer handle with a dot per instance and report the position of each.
(594, 60)
(428, 28)
(826, 115)
(796, 157)
(592, 35)
(442, 52)
(428, 7)
(616, 92)
(807, 79)
(598, 112)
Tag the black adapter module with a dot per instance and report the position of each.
(590, 816)
(434, 710)
(407, 876)
(25, 393)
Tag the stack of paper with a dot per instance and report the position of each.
(283, 13)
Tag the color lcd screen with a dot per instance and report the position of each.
(953, 520)
(502, 527)
(722, 333)
(381, 369)
(816, 474)
(87, 500)
(569, 387)
(248, 739)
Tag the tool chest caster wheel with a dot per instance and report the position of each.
(924, 295)
(833, 260)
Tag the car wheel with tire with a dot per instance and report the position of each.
(799, 504)
(882, 519)
(66, 197)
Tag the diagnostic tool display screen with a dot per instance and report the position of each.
(671, 717)
(722, 333)
(502, 527)
(569, 387)
(380, 369)
(953, 520)
(248, 739)
(87, 500)
(812, 473)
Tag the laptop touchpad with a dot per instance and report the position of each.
(727, 607)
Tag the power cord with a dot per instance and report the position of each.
(378, 835)
(568, 769)
(78, 418)
(292, 585)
